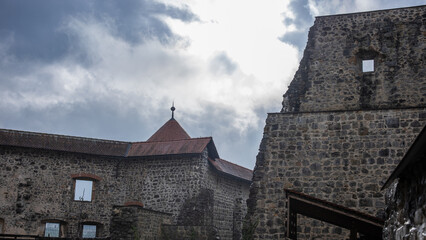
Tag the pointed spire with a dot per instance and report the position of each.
(173, 110)
(170, 131)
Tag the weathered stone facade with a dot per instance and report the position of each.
(179, 232)
(229, 204)
(135, 222)
(343, 157)
(342, 131)
(37, 186)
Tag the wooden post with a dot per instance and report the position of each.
(353, 235)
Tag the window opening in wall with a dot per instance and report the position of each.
(368, 65)
(89, 231)
(51, 229)
(83, 190)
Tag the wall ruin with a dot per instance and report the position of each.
(342, 131)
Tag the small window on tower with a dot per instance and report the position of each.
(368, 65)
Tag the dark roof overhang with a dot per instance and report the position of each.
(232, 170)
(415, 153)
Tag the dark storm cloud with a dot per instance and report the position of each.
(94, 118)
(35, 26)
(302, 20)
(137, 21)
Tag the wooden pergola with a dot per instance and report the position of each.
(298, 203)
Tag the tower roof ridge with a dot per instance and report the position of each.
(170, 131)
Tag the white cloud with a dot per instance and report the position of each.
(150, 73)
(248, 32)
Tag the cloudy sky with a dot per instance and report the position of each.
(111, 69)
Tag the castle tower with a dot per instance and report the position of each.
(354, 107)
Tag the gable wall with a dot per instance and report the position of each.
(330, 76)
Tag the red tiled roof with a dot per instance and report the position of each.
(62, 143)
(170, 139)
(170, 131)
(133, 203)
(184, 146)
(232, 169)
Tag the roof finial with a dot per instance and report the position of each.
(173, 110)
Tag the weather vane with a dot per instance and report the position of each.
(173, 110)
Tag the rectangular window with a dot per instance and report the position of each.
(83, 190)
(89, 231)
(368, 65)
(51, 229)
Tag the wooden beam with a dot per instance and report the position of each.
(330, 213)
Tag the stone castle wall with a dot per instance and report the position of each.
(341, 156)
(330, 76)
(342, 131)
(38, 185)
(137, 223)
(229, 204)
(178, 232)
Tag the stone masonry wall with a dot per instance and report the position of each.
(339, 156)
(330, 76)
(341, 131)
(406, 204)
(219, 205)
(179, 232)
(137, 223)
(36, 185)
(230, 196)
